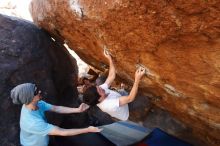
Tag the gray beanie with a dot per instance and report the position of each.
(23, 93)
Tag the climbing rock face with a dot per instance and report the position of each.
(178, 42)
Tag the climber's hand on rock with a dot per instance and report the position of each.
(107, 54)
(139, 73)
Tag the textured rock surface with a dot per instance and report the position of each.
(177, 41)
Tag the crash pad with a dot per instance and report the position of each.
(124, 133)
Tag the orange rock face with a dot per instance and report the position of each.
(178, 42)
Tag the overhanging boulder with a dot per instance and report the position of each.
(177, 41)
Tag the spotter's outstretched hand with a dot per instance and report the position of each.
(94, 129)
(83, 107)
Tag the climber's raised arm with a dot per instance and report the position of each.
(127, 99)
(111, 74)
